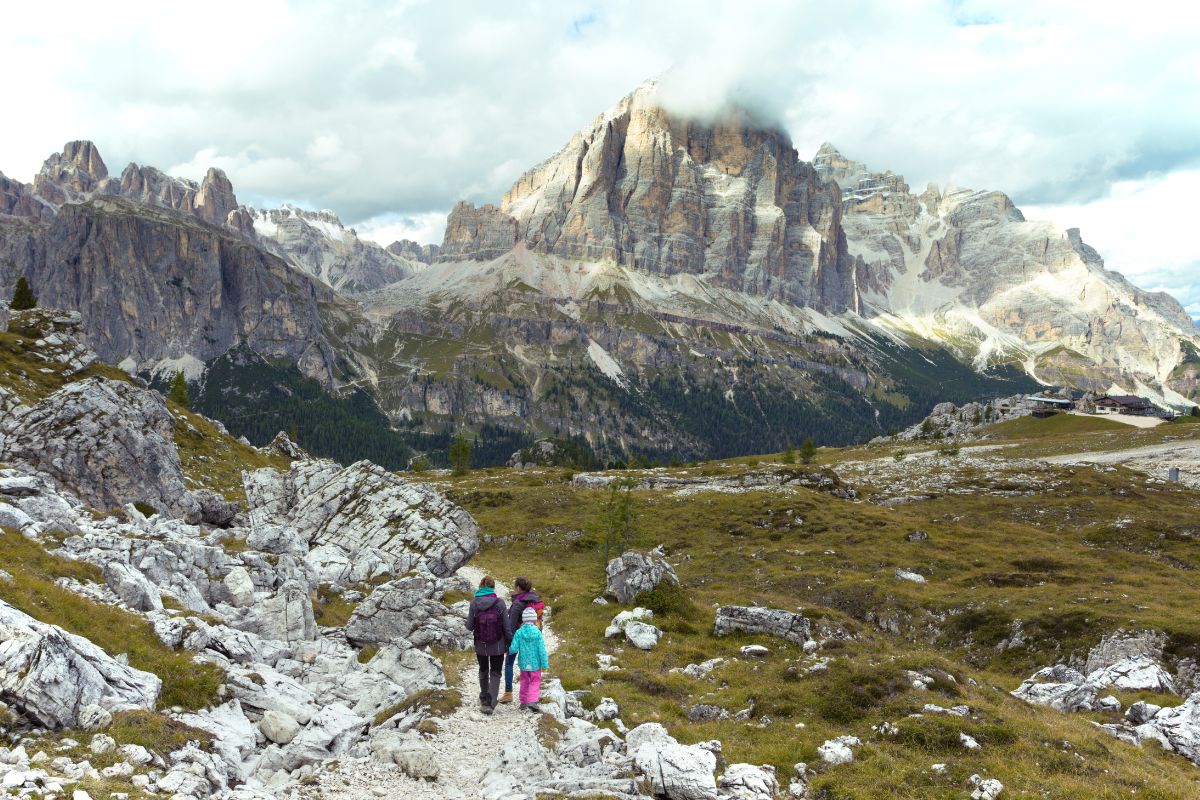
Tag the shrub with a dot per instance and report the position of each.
(931, 734)
(667, 599)
(853, 693)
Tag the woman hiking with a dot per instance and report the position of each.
(488, 620)
(525, 597)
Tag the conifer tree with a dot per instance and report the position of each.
(23, 297)
(808, 451)
(179, 392)
(460, 455)
(789, 455)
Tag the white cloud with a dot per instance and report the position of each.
(384, 229)
(385, 111)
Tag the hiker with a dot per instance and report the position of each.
(488, 619)
(530, 650)
(525, 597)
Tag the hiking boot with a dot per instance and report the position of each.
(506, 697)
(532, 707)
(486, 709)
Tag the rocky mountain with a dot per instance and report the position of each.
(159, 289)
(966, 269)
(318, 243)
(640, 187)
(660, 287)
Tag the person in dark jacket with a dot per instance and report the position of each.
(525, 597)
(488, 620)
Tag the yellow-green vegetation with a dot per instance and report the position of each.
(331, 609)
(439, 703)
(31, 378)
(214, 460)
(1068, 554)
(33, 590)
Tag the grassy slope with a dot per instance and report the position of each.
(1053, 559)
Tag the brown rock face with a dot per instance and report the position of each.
(77, 171)
(481, 233)
(215, 200)
(729, 200)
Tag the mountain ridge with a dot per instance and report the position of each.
(653, 269)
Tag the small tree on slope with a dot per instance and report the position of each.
(179, 392)
(23, 297)
(460, 455)
(808, 451)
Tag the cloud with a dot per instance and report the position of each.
(1144, 229)
(394, 110)
(384, 229)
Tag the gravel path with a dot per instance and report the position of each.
(466, 745)
(1155, 459)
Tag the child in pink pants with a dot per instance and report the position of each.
(532, 658)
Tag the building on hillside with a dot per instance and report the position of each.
(1125, 404)
(1045, 405)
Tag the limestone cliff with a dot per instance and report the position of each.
(728, 200)
(154, 284)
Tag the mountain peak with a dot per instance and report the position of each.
(84, 155)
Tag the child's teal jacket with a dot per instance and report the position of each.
(530, 648)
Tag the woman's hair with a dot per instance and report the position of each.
(488, 581)
(523, 584)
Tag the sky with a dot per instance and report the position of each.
(1086, 113)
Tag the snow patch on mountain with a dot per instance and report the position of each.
(606, 363)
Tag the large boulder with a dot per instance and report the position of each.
(770, 621)
(286, 617)
(674, 770)
(365, 506)
(132, 587)
(1058, 687)
(748, 782)
(109, 442)
(408, 609)
(1133, 674)
(630, 574)
(52, 676)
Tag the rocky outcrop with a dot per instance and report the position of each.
(775, 622)
(365, 506)
(108, 441)
(53, 676)
(1058, 687)
(408, 609)
(477, 233)
(631, 574)
(674, 770)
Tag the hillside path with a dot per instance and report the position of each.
(466, 745)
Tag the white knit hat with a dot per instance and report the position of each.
(529, 615)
